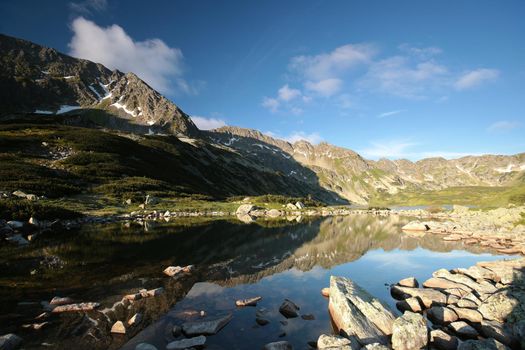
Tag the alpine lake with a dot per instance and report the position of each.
(274, 259)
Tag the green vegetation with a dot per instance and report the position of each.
(21, 209)
(279, 199)
(473, 195)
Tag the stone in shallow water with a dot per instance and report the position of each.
(186, 343)
(278, 345)
(135, 320)
(442, 340)
(409, 332)
(289, 309)
(331, 342)
(207, 326)
(357, 313)
(409, 282)
(145, 346)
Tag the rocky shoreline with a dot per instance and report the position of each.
(481, 307)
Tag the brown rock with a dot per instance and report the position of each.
(498, 306)
(409, 332)
(118, 327)
(325, 292)
(463, 329)
(441, 283)
(411, 304)
(409, 282)
(466, 314)
(442, 340)
(428, 297)
(75, 307)
(441, 315)
(248, 302)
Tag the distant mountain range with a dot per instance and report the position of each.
(36, 81)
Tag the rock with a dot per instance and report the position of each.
(76, 307)
(291, 206)
(409, 282)
(325, 292)
(460, 209)
(443, 341)
(308, 317)
(273, 213)
(479, 273)
(15, 224)
(463, 329)
(247, 219)
(31, 197)
(128, 201)
(480, 286)
(336, 342)
(498, 306)
(441, 315)
(132, 297)
(415, 226)
(441, 283)
(410, 304)
(176, 331)
(150, 200)
(261, 321)
(466, 314)
(155, 292)
(485, 344)
(61, 301)
(409, 332)
(10, 341)
(145, 346)
(428, 297)
(17, 239)
(34, 221)
(376, 346)
(207, 326)
(118, 327)
(175, 270)
(135, 320)
(357, 313)
(289, 309)
(300, 205)
(500, 332)
(19, 194)
(248, 302)
(187, 343)
(507, 271)
(245, 209)
(278, 345)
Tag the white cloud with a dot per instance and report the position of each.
(271, 103)
(204, 123)
(287, 94)
(402, 77)
(313, 138)
(475, 78)
(326, 87)
(390, 113)
(503, 125)
(152, 60)
(332, 64)
(87, 6)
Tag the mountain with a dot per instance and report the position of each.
(39, 84)
(42, 80)
(356, 179)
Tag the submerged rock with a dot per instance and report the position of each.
(186, 343)
(207, 326)
(409, 332)
(278, 345)
(289, 309)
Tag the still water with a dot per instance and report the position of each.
(272, 259)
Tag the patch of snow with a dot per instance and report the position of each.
(107, 96)
(95, 92)
(43, 112)
(66, 108)
(286, 156)
(231, 141)
(123, 107)
(507, 169)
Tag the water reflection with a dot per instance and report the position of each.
(273, 259)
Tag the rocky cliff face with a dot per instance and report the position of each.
(42, 80)
(356, 179)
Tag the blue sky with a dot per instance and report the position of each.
(403, 79)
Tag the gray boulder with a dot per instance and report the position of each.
(409, 332)
(186, 343)
(244, 209)
(289, 309)
(208, 326)
(336, 342)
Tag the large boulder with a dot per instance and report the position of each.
(289, 309)
(245, 209)
(441, 315)
(409, 282)
(357, 313)
(416, 226)
(428, 297)
(498, 306)
(443, 341)
(333, 342)
(206, 326)
(463, 329)
(409, 332)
